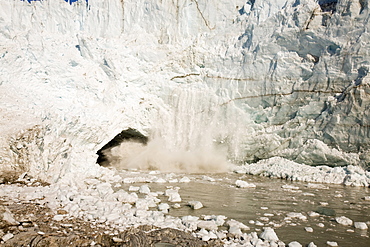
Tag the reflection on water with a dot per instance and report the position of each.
(269, 203)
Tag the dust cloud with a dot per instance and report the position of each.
(156, 156)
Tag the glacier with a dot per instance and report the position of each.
(250, 80)
(278, 88)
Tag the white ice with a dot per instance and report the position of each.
(210, 82)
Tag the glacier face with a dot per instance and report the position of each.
(256, 79)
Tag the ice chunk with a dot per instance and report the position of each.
(219, 219)
(240, 225)
(125, 197)
(134, 188)
(160, 181)
(104, 189)
(209, 225)
(313, 214)
(235, 230)
(164, 207)
(144, 189)
(184, 180)
(290, 187)
(294, 244)
(343, 220)
(191, 222)
(296, 215)
(316, 186)
(195, 204)
(173, 195)
(269, 234)
(308, 229)
(244, 184)
(361, 225)
(332, 243)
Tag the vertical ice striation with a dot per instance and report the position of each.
(256, 79)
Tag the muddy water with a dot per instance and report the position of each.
(269, 203)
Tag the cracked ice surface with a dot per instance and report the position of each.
(272, 78)
(242, 77)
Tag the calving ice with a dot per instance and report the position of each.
(211, 85)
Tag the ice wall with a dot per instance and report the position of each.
(255, 78)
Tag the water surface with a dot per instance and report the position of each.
(269, 203)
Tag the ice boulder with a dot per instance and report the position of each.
(294, 244)
(244, 184)
(190, 222)
(269, 234)
(361, 225)
(144, 189)
(311, 244)
(173, 195)
(331, 243)
(195, 204)
(296, 216)
(343, 220)
(209, 225)
(163, 207)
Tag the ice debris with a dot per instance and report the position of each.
(343, 220)
(285, 169)
(195, 204)
(294, 244)
(311, 244)
(308, 229)
(331, 243)
(244, 184)
(361, 225)
(269, 234)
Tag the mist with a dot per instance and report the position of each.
(156, 156)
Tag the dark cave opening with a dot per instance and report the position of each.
(129, 134)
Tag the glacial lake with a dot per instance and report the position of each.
(270, 202)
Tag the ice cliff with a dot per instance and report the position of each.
(255, 78)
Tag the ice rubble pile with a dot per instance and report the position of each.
(111, 210)
(257, 78)
(285, 169)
